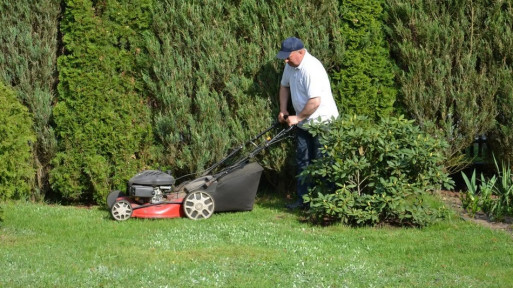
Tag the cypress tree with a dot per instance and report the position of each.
(16, 171)
(448, 85)
(100, 116)
(500, 37)
(214, 79)
(28, 53)
(365, 83)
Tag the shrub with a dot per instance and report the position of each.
(364, 85)
(28, 44)
(101, 114)
(16, 171)
(214, 78)
(447, 73)
(374, 173)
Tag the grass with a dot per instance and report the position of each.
(57, 246)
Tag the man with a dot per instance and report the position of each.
(306, 83)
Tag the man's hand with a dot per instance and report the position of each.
(282, 117)
(292, 120)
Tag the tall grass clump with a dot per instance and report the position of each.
(492, 195)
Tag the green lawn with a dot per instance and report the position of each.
(56, 246)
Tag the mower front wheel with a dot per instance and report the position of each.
(198, 205)
(121, 210)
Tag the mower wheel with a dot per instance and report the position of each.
(198, 205)
(121, 210)
(113, 195)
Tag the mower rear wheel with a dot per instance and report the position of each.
(113, 195)
(198, 205)
(121, 210)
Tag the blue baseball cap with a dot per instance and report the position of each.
(289, 45)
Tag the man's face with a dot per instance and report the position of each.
(295, 58)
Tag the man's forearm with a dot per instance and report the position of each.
(310, 107)
(284, 99)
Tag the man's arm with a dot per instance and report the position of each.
(310, 107)
(284, 100)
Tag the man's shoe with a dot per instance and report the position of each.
(296, 205)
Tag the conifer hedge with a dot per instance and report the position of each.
(101, 116)
(449, 76)
(214, 79)
(365, 80)
(28, 54)
(500, 37)
(16, 135)
(175, 84)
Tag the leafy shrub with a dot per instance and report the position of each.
(374, 173)
(16, 171)
(493, 196)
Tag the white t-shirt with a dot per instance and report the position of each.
(310, 80)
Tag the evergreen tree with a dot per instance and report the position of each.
(448, 85)
(214, 80)
(16, 171)
(100, 116)
(366, 76)
(500, 37)
(28, 53)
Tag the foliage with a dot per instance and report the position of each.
(101, 118)
(376, 172)
(500, 137)
(493, 196)
(214, 78)
(365, 78)
(500, 37)
(16, 171)
(445, 53)
(28, 53)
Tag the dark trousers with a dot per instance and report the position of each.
(307, 149)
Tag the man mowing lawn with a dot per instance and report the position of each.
(305, 81)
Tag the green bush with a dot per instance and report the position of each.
(214, 78)
(364, 85)
(374, 173)
(500, 137)
(500, 35)
(101, 115)
(29, 49)
(16, 171)
(447, 69)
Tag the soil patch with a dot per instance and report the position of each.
(453, 200)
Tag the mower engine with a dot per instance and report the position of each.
(150, 185)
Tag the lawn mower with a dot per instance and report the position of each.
(153, 194)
